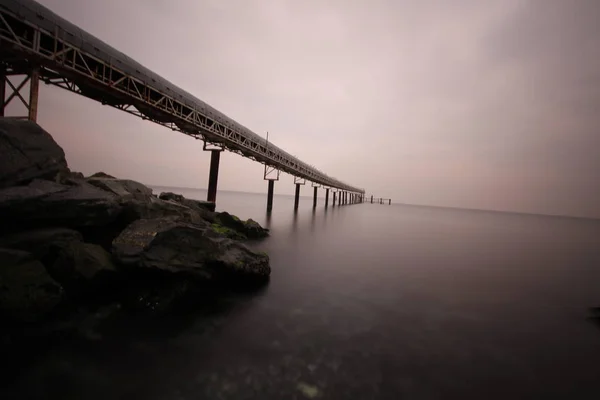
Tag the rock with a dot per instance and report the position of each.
(193, 204)
(40, 241)
(172, 245)
(230, 221)
(227, 232)
(226, 223)
(27, 292)
(124, 188)
(101, 175)
(82, 268)
(156, 208)
(28, 152)
(45, 204)
(253, 230)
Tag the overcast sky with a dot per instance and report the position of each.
(480, 104)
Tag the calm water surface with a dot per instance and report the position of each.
(369, 302)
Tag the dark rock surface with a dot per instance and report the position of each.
(234, 228)
(102, 175)
(169, 244)
(27, 292)
(28, 152)
(82, 268)
(193, 204)
(46, 204)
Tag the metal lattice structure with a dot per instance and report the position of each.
(33, 38)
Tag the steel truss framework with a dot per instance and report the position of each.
(25, 46)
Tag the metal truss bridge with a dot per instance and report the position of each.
(37, 43)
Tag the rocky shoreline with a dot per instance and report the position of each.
(76, 249)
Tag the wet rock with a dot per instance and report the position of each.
(227, 232)
(230, 221)
(101, 175)
(27, 292)
(125, 189)
(226, 223)
(172, 245)
(82, 268)
(253, 230)
(38, 242)
(193, 204)
(44, 204)
(28, 152)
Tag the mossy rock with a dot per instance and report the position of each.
(227, 232)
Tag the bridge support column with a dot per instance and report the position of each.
(270, 195)
(297, 197)
(390, 203)
(271, 175)
(315, 197)
(333, 202)
(326, 197)
(213, 175)
(371, 199)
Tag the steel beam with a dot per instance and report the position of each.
(213, 176)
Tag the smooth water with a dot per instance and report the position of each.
(369, 302)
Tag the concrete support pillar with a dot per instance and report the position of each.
(297, 196)
(345, 198)
(213, 175)
(371, 199)
(326, 197)
(315, 198)
(270, 195)
(390, 202)
(333, 202)
(34, 89)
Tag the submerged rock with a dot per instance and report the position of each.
(28, 152)
(27, 292)
(172, 245)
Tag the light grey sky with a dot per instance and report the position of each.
(481, 104)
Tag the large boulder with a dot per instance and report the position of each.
(28, 152)
(172, 245)
(82, 268)
(253, 230)
(27, 292)
(235, 228)
(39, 242)
(125, 189)
(193, 204)
(44, 203)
